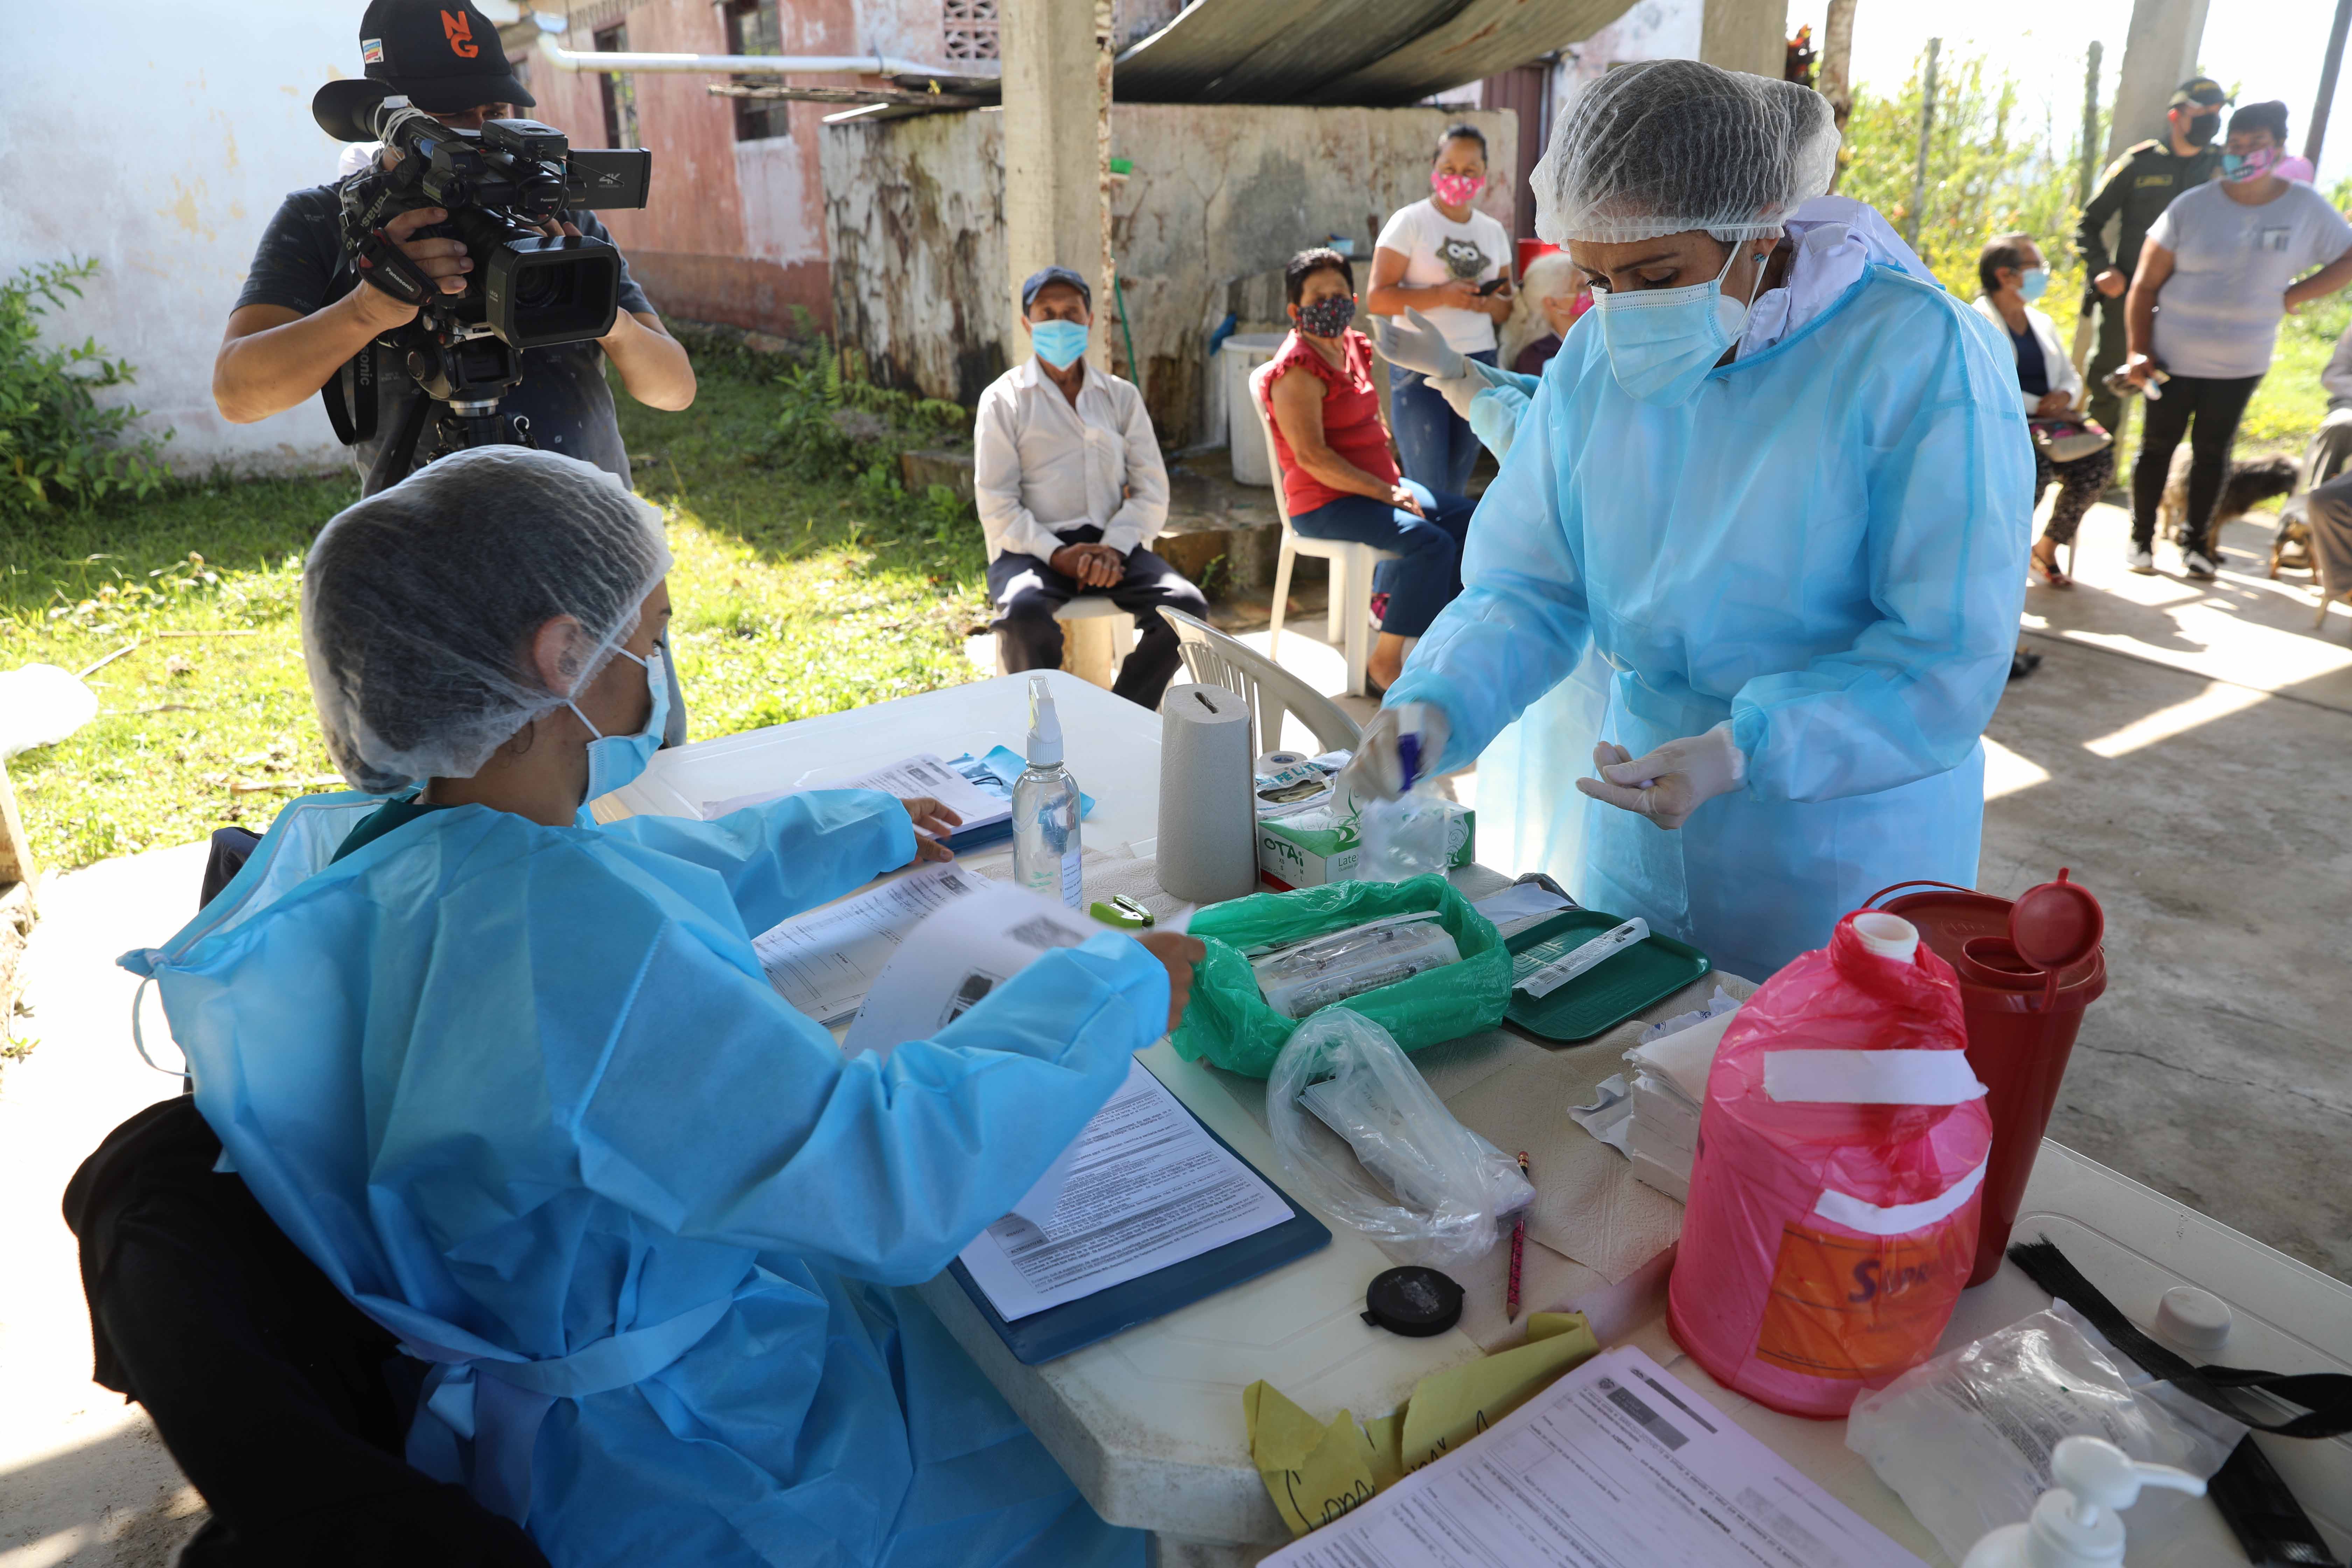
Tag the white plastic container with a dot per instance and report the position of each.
(2075, 1523)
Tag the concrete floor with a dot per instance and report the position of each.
(2182, 748)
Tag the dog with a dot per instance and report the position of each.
(2291, 545)
(2247, 485)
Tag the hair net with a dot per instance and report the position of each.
(1665, 146)
(418, 602)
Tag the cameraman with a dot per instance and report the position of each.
(302, 316)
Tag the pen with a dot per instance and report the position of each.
(1518, 1248)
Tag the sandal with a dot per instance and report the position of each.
(2046, 572)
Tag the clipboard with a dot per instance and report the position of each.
(1074, 1325)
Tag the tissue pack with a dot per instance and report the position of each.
(1312, 849)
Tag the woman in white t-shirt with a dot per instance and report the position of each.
(1451, 263)
(2219, 269)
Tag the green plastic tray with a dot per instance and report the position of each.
(1600, 999)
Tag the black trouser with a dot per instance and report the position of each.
(2216, 405)
(1027, 591)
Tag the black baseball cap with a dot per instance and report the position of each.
(442, 56)
(1045, 274)
(2202, 91)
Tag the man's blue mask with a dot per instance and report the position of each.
(1059, 344)
(617, 760)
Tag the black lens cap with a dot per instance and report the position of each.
(1413, 1301)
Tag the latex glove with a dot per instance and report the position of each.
(1672, 782)
(1458, 390)
(1421, 347)
(1401, 744)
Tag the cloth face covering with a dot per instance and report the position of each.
(1327, 317)
(2240, 167)
(1662, 342)
(1456, 190)
(1058, 344)
(617, 760)
(2202, 129)
(2033, 283)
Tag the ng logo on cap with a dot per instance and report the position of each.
(459, 27)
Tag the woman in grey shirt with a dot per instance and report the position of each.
(2217, 273)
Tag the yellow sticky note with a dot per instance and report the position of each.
(1315, 1473)
(1386, 1434)
(1449, 1408)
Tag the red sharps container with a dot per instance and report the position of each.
(2027, 969)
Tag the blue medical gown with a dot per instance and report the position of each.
(525, 1088)
(1825, 546)
(1531, 818)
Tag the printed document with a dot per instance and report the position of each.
(825, 961)
(1617, 1465)
(1147, 1187)
(919, 775)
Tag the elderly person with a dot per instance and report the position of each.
(2221, 268)
(1783, 491)
(1071, 492)
(520, 1089)
(1443, 257)
(1338, 478)
(2012, 274)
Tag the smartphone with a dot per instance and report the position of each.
(1488, 288)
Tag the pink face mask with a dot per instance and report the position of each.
(1456, 190)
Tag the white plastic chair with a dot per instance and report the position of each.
(1349, 616)
(1214, 659)
(1097, 637)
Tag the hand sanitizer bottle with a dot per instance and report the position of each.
(1045, 808)
(2075, 1522)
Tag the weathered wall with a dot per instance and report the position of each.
(159, 139)
(1219, 194)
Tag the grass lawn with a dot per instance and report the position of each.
(805, 584)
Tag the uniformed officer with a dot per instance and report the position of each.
(2135, 189)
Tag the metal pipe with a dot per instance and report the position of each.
(610, 60)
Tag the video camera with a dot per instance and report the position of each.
(504, 187)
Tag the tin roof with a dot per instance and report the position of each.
(1374, 53)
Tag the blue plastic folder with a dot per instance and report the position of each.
(1074, 1325)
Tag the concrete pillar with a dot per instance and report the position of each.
(1057, 60)
(1746, 36)
(2159, 54)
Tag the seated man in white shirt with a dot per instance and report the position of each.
(1071, 492)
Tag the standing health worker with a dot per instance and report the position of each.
(1802, 563)
(1435, 256)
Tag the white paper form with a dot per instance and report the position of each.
(919, 775)
(966, 949)
(1148, 1187)
(1617, 1465)
(824, 963)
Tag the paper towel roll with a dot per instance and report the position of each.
(1208, 817)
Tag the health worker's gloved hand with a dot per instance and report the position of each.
(1671, 783)
(1401, 744)
(1421, 347)
(1458, 390)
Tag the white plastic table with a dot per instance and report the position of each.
(1148, 1424)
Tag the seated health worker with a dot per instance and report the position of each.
(1790, 518)
(1340, 477)
(520, 1088)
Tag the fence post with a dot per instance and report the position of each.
(1927, 128)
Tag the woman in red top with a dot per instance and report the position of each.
(1340, 477)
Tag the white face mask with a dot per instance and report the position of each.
(1662, 342)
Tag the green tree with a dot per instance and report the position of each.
(1993, 167)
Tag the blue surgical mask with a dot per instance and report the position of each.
(617, 760)
(2033, 283)
(1059, 344)
(1662, 342)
